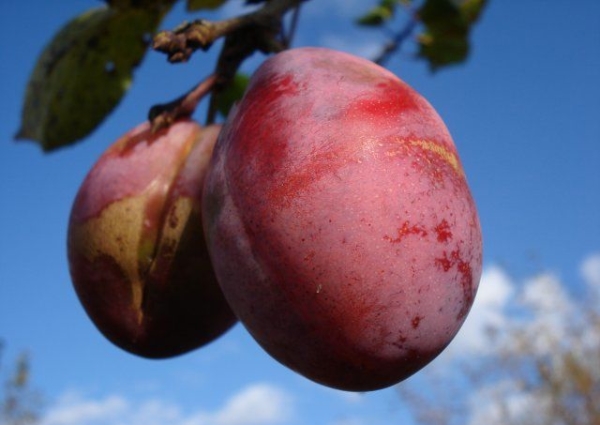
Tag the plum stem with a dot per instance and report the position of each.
(163, 115)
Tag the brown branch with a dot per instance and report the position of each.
(184, 40)
(243, 34)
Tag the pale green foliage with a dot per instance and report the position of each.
(541, 365)
(19, 403)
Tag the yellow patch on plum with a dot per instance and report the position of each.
(441, 151)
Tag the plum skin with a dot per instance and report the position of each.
(339, 221)
(136, 249)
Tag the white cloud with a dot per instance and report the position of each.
(351, 397)
(504, 402)
(256, 404)
(152, 412)
(551, 323)
(496, 290)
(550, 318)
(545, 293)
(72, 409)
(260, 403)
(590, 271)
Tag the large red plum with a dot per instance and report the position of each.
(339, 220)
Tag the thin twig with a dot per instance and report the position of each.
(397, 40)
(165, 114)
(287, 40)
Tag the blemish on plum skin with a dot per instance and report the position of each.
(466, 279)
(443, 231)
(401, 341)
(416, 321)
(446, 263)
(467, 285)
(406, 230)
(310, 256)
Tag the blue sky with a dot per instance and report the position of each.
(524, 112)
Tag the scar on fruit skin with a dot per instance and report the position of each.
(406, 230)
(431, 146)
(443, 231)
(464, 268)
(416, 321)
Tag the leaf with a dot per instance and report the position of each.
(471, 9)
(232, 93)
(83, 73)
(445, 40)
(379, 14)
(193, 5)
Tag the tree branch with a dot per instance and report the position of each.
(184, 40)
(245, 34)
(397, 40)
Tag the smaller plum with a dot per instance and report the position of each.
(136, 248)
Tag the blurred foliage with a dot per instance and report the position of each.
(19, 403)
(542, 368)
(204, 4)
(445, 39)
(378, 15)
(232, 93)
(444, 26)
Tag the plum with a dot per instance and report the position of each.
(339, 220)
(136, 249)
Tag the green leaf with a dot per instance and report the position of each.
(83, 73)
(443, 51)
(445, 39)
(471, 9)
(193, 5)
(232, 93)
(379, 14)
